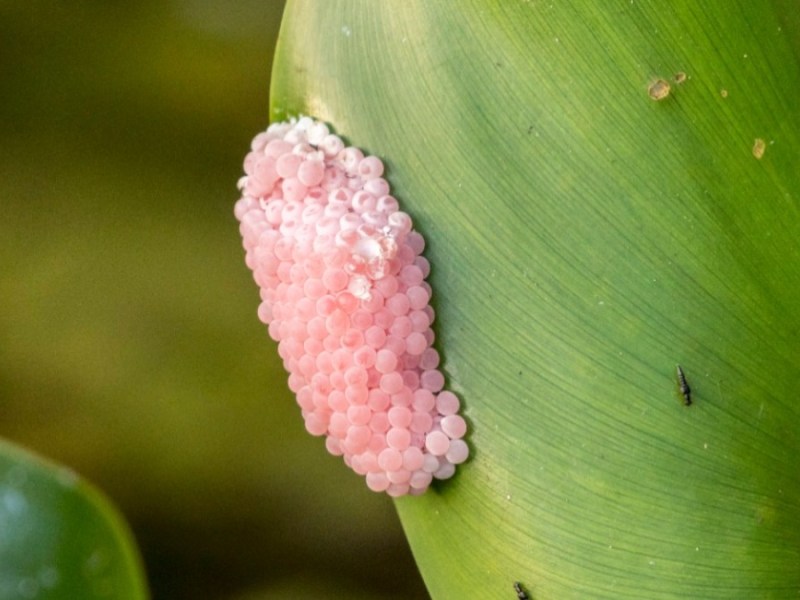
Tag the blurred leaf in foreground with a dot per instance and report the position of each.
(59, 536)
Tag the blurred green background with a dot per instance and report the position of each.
(129, 344)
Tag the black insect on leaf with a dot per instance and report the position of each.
(685, 390)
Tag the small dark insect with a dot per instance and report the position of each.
(686, 391)
(521, 594)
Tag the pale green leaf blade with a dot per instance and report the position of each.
(585, 239)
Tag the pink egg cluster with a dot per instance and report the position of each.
(344, 294)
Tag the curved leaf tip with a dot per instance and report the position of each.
(61, 538)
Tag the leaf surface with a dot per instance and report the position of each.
(585, 239)
(59, 537)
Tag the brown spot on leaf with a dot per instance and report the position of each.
(759, 147)
(659, 89)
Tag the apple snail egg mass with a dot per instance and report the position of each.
(343, 291)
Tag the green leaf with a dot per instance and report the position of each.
(59, 536)
(585, 239)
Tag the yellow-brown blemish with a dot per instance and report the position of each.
(723, 92)
(680, 77)
(759, 147)
(659, 89)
